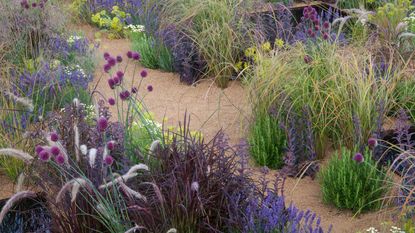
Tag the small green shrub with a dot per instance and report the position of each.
(351, 184)
(154, 54)
(267, 141)
(404, 95)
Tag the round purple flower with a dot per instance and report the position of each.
(119, 59)
(372, 142)
(116, 80)
(326, 25)
(41, 5)
(124, 95)
(111, 101)
(54, 137)
(130, 54)
(143, 73)
(60, 159)
(55, 150)
(111, 83)
(38, 149)
(34, 5)
(149, 88)
(106, 55)
(112, 61)
(309, 32)
(102, 124)
(136, 56)
(358, 157)
(325, 36)
(313, 34)
(108, 160)
(111, 145)
(317, 28)
(44, 155)
(120, 74)
(134, 90)
(107, 68)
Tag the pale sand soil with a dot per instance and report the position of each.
(212, 109)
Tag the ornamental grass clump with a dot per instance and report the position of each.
(352, 180)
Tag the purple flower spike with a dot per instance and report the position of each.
(108, 160)
(119, 59)
(38, 149)
(136, 56)
(130, 54)
(60, 159)
(111, 83)
(111, 101)
(54, 137)
(54, 150)
(372, 142)
(149, 88)
(106, 55)
(143, 73)
(102, 124)
(134, 90)
(44, 156)
(111, 145)
(358, 157)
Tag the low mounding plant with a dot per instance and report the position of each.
(353, 181)
(267, 141)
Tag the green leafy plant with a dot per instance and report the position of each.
(114, 22)
(267, 141)
(154, 54)
(353, 181)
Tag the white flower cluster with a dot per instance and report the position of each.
(73, 39)
(393, 229)
(410, 20)
(134, 28)
(75, 68)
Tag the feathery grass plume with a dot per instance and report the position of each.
(172, 230)
(137, 167)
(13, 200)
(123, 178)
(92, 156)
(132, 230)
(16, 154)
(27, 103)
(75, 184)
(20, 182)
(132, 193)
(76, 135)
(153, 147)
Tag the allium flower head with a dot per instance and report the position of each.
(107, 68)
(130, 54)
(325, 36)
(307, 59)
(44, 155)
(134, 90)
(124, 95)
(108, 160)
(372, 142)
(106, 55)
(102, 124)
(116, 80)
(136, 56)
(326, 25)
(119, 59)
(143, 73)
(38, 149)
(112, 61)
(54, 137)
(120, 74)
(111, 145)
(60, 159)
(55, 150)
(358, 157)
(111, 83)
(111, 101)
(34, 5)
(149, 88)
